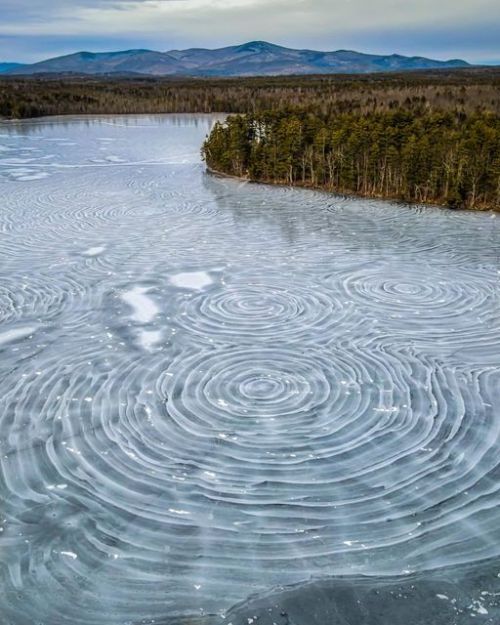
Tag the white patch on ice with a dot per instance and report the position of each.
(191, 280)
(70, 554)
(94, 251)
(149, 338)
(478, 607)
(18, 333)
(145, 310)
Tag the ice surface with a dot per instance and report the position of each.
(211, 390)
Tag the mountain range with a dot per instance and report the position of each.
(256, 58)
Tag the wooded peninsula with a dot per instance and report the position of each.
(423, 136)
(419, 156)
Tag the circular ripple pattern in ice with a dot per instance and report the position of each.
(210, 388)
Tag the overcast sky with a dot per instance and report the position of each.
(32, 30)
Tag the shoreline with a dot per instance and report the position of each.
(45, 118)
(380, 198)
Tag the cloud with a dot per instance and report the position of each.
(446, 28)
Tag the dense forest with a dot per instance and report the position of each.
(464, 90)
(422, 156)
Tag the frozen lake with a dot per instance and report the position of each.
(210, 388)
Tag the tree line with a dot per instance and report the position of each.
(418, 156)
(460, 90)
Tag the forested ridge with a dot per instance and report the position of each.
(417, 156)
(464, 90)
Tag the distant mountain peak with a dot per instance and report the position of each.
(253, 58)
(260, 46)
